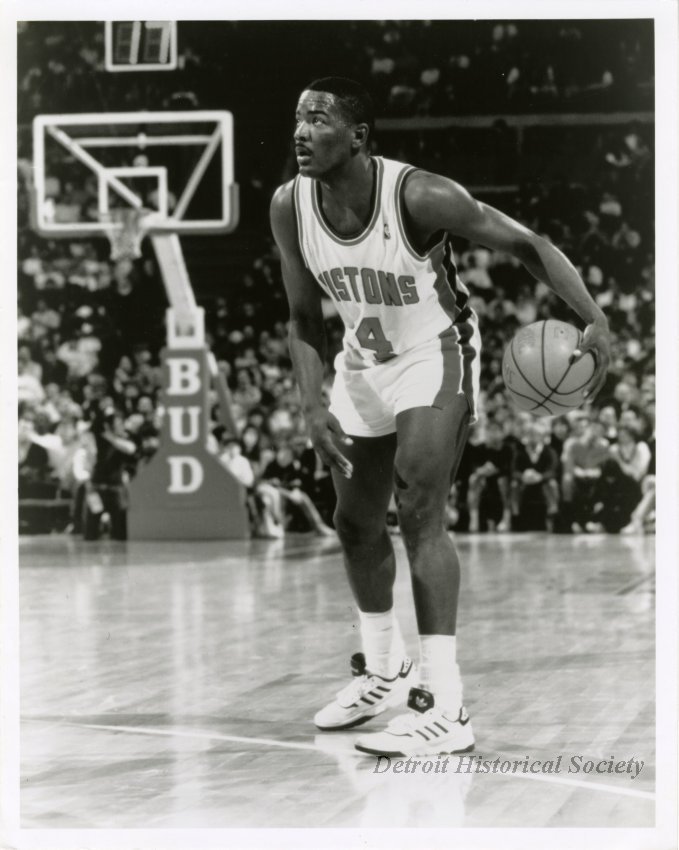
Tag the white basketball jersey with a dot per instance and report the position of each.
(390, 297)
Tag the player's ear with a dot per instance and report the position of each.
(361, 133)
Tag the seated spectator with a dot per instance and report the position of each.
(624, 397)
(644, 513)
(147, 376)
(231, 455)
(488, 490)
(263, 508)
(533, 480)
(254, 449)
(29, 388)
(148, 440)
(51, 404)
(144, 416)
(123, 374)
(54, 371)
(246, 394)
(560, 432)
(60, 446)
(609, 420)
(27, 365)
(315, 477)
(44, 320)
(71, 455)
(107, 490)
(631, 419)
(281, 483)
(80, 353)
(618, 491)
(582, 459)
(35, 478)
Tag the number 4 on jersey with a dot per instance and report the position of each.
(370, 335)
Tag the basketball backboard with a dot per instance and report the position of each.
(178, 165)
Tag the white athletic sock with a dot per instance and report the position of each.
(382, 643)
(439, 672)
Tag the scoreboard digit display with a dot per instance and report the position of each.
(141, 45)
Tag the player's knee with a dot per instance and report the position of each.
(421, 507)
(355, 529)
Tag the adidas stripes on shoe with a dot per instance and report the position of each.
(366, 696)
(424, 731)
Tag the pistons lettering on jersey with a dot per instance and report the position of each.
(370, 286)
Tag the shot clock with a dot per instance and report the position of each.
(141, 45)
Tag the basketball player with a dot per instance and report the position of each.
(373, 235)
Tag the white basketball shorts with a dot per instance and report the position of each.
(367, 399)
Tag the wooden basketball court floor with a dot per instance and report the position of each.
(172, 685)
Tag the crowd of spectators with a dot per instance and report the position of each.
(90, 332)
(415, 67)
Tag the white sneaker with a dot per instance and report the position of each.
(366, 696)
(424, 731)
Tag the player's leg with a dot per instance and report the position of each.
(382, 674)
(360, 521)
(430, 444)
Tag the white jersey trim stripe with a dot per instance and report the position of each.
(398, 206)
(298, 217)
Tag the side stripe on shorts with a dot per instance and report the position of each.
(460, 360)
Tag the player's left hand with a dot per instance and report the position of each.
(597, 340)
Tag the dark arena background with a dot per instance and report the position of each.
(182, 621)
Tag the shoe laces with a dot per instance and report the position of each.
(409, 721)
(358, 687)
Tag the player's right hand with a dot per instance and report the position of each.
(324, 432)
(597, 339)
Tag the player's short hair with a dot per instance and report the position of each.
(353, 98)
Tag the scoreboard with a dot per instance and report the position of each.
(141, 45)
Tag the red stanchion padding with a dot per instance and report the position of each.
(184, 492)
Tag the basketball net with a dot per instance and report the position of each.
(125, 228)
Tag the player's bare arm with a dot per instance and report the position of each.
(434, 203)
(307, 333)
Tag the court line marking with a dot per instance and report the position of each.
(633, 585)
(217, 736)
(290, 745)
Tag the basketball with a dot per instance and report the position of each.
(538, 372)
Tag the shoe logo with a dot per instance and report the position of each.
(421, 702)
(357, 664)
